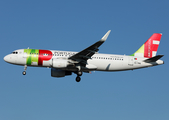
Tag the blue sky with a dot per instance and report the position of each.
(74, 25)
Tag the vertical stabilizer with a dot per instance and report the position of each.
(149, 48)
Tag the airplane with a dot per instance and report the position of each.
(64, 63)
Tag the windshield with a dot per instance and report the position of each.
(14, 52)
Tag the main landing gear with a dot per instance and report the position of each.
(79, 73)
(78, 79)
(24, 72)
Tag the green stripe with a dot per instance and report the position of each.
(32, 56)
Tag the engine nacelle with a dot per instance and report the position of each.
(59, 73)
(59, 63)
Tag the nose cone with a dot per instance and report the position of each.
(10, 59)
(6, 58)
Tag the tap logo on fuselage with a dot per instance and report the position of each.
(37, 56)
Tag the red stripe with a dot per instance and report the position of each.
(44, 58)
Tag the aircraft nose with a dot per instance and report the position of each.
(6, 58)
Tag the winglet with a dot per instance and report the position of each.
(105, 36)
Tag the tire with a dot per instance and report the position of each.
(78, 79)
(24, 72)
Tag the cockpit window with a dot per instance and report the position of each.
(14, 52)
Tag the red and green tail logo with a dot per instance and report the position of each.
(150, 47)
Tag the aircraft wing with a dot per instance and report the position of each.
(84, 55)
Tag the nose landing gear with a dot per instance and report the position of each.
(24, 72)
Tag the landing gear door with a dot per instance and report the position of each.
(130, 61)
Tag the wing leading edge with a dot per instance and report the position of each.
(84, 55)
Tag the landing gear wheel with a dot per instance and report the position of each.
(78, 79)
(24, 72)
(79, 73)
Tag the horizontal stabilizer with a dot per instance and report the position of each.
(154, 59)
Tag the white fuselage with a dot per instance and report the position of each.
(63, 63)
(98, 62)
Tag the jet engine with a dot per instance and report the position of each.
(59, 73)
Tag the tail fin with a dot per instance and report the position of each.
(149, 48)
